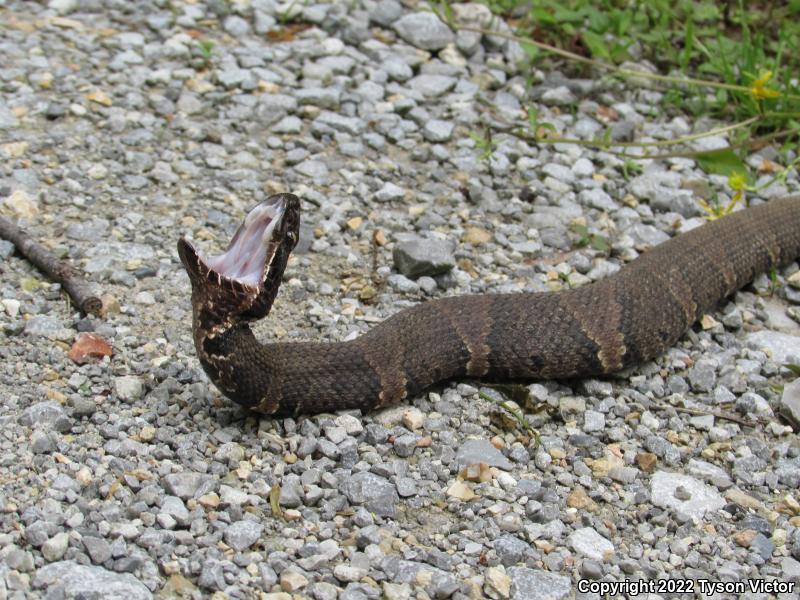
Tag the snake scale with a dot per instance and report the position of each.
(629, 317)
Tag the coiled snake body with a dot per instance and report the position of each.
(600, 328)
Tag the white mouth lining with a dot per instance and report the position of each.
(245, 258)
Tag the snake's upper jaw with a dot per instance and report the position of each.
(245, 278)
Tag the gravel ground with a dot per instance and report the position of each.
(126, 124)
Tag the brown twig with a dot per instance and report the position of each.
(80, 291)
(703, 413)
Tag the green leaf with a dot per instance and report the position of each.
(600, 243)
(533, 118)
(722, 162)
(542, 17)
(529, 49)
(596, 44)
(548, 126)
(565, 15)
(444, 11)
(793, 368)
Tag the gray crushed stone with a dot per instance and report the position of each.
(126, 125)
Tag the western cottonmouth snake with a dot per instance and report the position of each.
(600, 328)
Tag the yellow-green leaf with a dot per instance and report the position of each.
(722, 162)
(274, 501)
(30, 284)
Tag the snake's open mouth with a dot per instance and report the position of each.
(242, 282)
(249, 252)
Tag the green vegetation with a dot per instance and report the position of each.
(734, 61)
(205, 48)
(586, 238)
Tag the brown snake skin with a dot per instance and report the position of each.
(600, 328)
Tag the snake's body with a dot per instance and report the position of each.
(600, 328)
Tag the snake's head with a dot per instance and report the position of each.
(240, 284)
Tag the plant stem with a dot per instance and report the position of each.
(615, 69)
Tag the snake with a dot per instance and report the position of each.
(597, 329)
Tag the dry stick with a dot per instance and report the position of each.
(79, 290)
(704, 413)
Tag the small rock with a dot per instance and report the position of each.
(63, 7)
(11, 306)
(42, 442)
(174, 507)
(313, 169)
(510, 549)
(702, 377)
(423, 256)
(762, 546)
(390, 193)
(737, 496)
(593, 421)
(789, 405)
(558, 96)
(405, 445)
(396, 591)
(83, 407)
(22, 204)
(498, 582)
(413, 418)
(713, 474)
(98, 549)
(406, 486)
(473, 452)
(438, 131)
(129, 388)
(597, 198)
(145, 298)
(373, 492)
(431, 85)
(243, 534)
(587, 542)
(532, 584)
(386, 12)
(337, 122)
(291, 581)
(684, 494)
(327, 97)
(48, 327)
(350, 424)
(236, 26)
(50, 415)
(476, 236)
(8, 119)
(68, 579)
(461, 491)
(646, 461)
(55, 548)
(289, 124)
(346, 573)
(188, 484)
(424, 30)
(661, 189)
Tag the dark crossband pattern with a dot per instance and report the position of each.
(600, 328)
